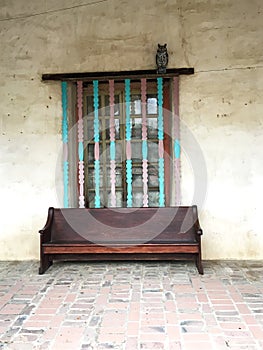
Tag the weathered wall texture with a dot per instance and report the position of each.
(221, 105)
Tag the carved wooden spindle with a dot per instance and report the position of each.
(64, 88)
(80, 143)
(177, 146)
(128, 143)
(112, 145)
(96, 140)
(144, 144)
(160, 138)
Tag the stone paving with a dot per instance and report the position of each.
(131, 305)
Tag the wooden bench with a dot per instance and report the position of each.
(170, 233)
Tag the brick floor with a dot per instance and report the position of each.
(132, 306)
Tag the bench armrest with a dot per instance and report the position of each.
(197, 226)
(199, 232)
(45, 232)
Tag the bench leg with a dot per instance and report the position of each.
(45, 263)
(198, 263)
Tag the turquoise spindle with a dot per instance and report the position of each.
(177, 149)
(128, 108)
(65, 142)
(177, 145)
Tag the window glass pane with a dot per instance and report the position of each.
(153, 180)
(137, 199)
(119, 202)
(153, 152)
(117, 129)
(152, 128)
(91, 180)
(107, 176)
(136, 177)
(106, 154)
(90, 153)
(153, 199)
(91, 199)
(118, 152)
(136, 108)
(107, 129)
(118, 180)
(102, 178)
(136, 128)
(136, 152)
(151, 104)
(90, 129)
(90, 107)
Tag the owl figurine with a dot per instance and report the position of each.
(161, 58)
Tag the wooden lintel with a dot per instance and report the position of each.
(136, 74)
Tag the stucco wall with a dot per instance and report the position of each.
(221, 105)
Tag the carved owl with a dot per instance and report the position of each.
(161, 58)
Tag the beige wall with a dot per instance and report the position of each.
(221, 105)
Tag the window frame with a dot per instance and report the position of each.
(69, 80)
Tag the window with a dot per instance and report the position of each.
(125, 150)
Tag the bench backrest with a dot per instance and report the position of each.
(124, 225)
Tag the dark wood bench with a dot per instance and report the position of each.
(170, 233)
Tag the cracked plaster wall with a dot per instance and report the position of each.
(221, 105)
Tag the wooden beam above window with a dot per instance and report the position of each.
(136, 74)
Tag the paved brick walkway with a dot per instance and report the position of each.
(148, 305)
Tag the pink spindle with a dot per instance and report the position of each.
(144, 139)
(112, 139)
(161, 149)
(80, 142)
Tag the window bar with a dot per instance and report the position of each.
(112, 145)
(80, 144)
(128, 142)
(177, 146)
(160, 138)
(64, 88)
(96, 140)
(144, 144)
